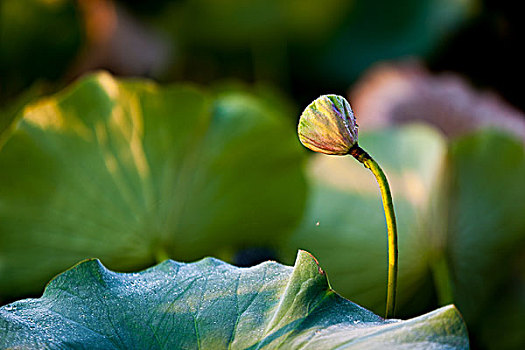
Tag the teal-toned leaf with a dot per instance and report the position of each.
(212, 305)
(345, 226)
(130, 172)
(486, 235)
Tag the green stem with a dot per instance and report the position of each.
(161, 254)
(363, 157)
(442, 280)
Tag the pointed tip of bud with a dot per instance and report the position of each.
(328, 125)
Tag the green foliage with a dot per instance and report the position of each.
(486, 235)
(130, 173)
(212, 305)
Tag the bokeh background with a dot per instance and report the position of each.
(453, 67)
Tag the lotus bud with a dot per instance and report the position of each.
(328, 126)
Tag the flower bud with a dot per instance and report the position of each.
(328, 126)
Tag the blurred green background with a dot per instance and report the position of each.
(453, 67)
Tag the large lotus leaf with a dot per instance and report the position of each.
(130, 172)
(486, 235)
(345, 227)
(212, 305)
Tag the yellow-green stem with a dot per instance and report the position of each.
(363, 157)
(161, 254)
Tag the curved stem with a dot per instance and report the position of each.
(363, 157)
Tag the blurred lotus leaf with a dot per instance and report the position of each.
(486, 236)
(212, 305)
(130, 173)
